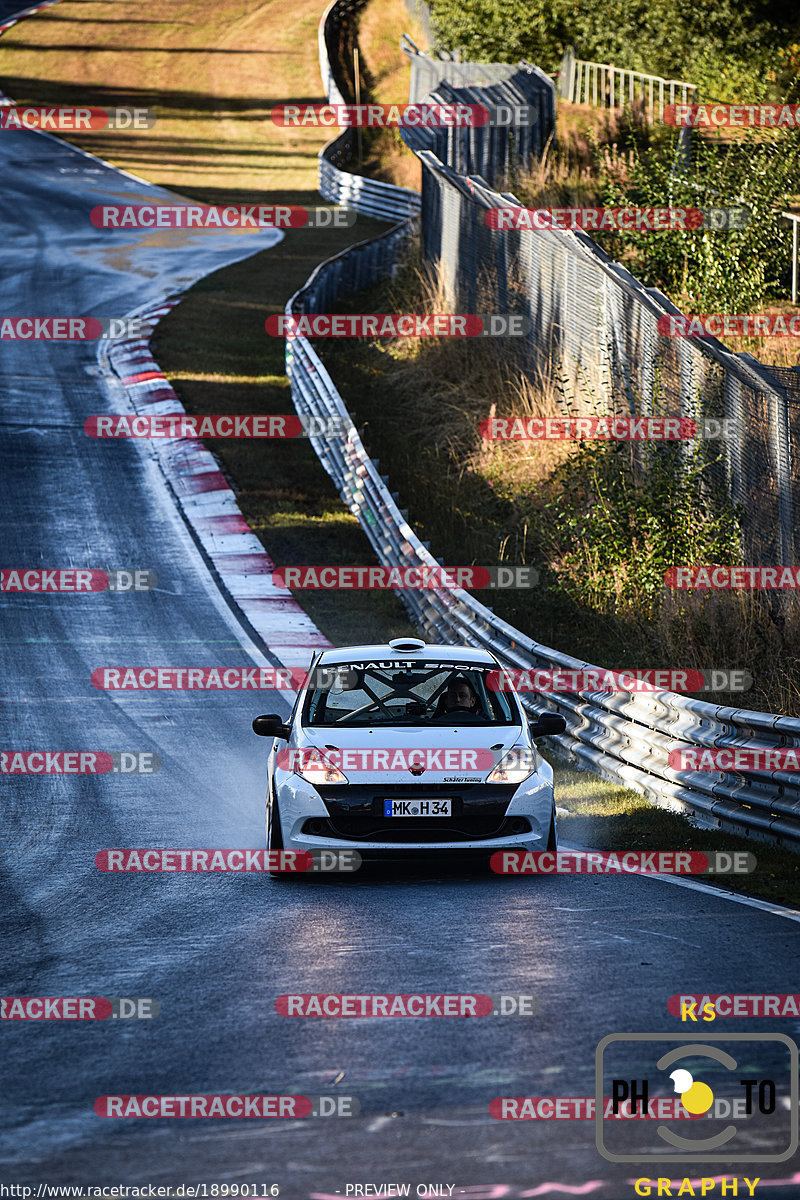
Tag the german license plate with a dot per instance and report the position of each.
(417, 808)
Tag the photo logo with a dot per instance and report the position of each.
(752, 1078)
(696, 1098)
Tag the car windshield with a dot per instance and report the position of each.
(404, 693)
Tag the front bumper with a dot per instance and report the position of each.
(485, 817)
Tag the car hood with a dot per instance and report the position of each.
(448, 753)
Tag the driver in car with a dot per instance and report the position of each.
(459, 696)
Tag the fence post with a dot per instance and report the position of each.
(781, 428)
(566, 74)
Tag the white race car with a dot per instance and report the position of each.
(408, 749)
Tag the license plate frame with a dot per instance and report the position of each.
(426, 807)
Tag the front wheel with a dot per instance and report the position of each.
(552, 837)
(275, 834)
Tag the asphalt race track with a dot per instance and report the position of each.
(600, 954)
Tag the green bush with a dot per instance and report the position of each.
(679, 39)
(708, 270)
(615, 527)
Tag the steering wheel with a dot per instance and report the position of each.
(378, 706)
(459, 708)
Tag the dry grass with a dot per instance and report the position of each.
(567, 174)
(387, 75)
(441, 386)
(211, 72)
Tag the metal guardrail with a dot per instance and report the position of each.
(623, 738)
(605, 86)
(373, 198)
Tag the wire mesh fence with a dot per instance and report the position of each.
(626, 738)
(521, 107)
(599, 326)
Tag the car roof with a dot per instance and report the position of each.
(429, 652)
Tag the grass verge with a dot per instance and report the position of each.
(607, 817)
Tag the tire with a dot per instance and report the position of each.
(275, 835)
(552, 837)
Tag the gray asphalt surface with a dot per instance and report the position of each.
(600, 954)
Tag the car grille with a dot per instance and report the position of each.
(466, 828)
(355, 813)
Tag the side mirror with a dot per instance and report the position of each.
(547, 724)
(271, 726)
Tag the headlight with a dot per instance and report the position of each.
(515, 767)
(316, 767)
